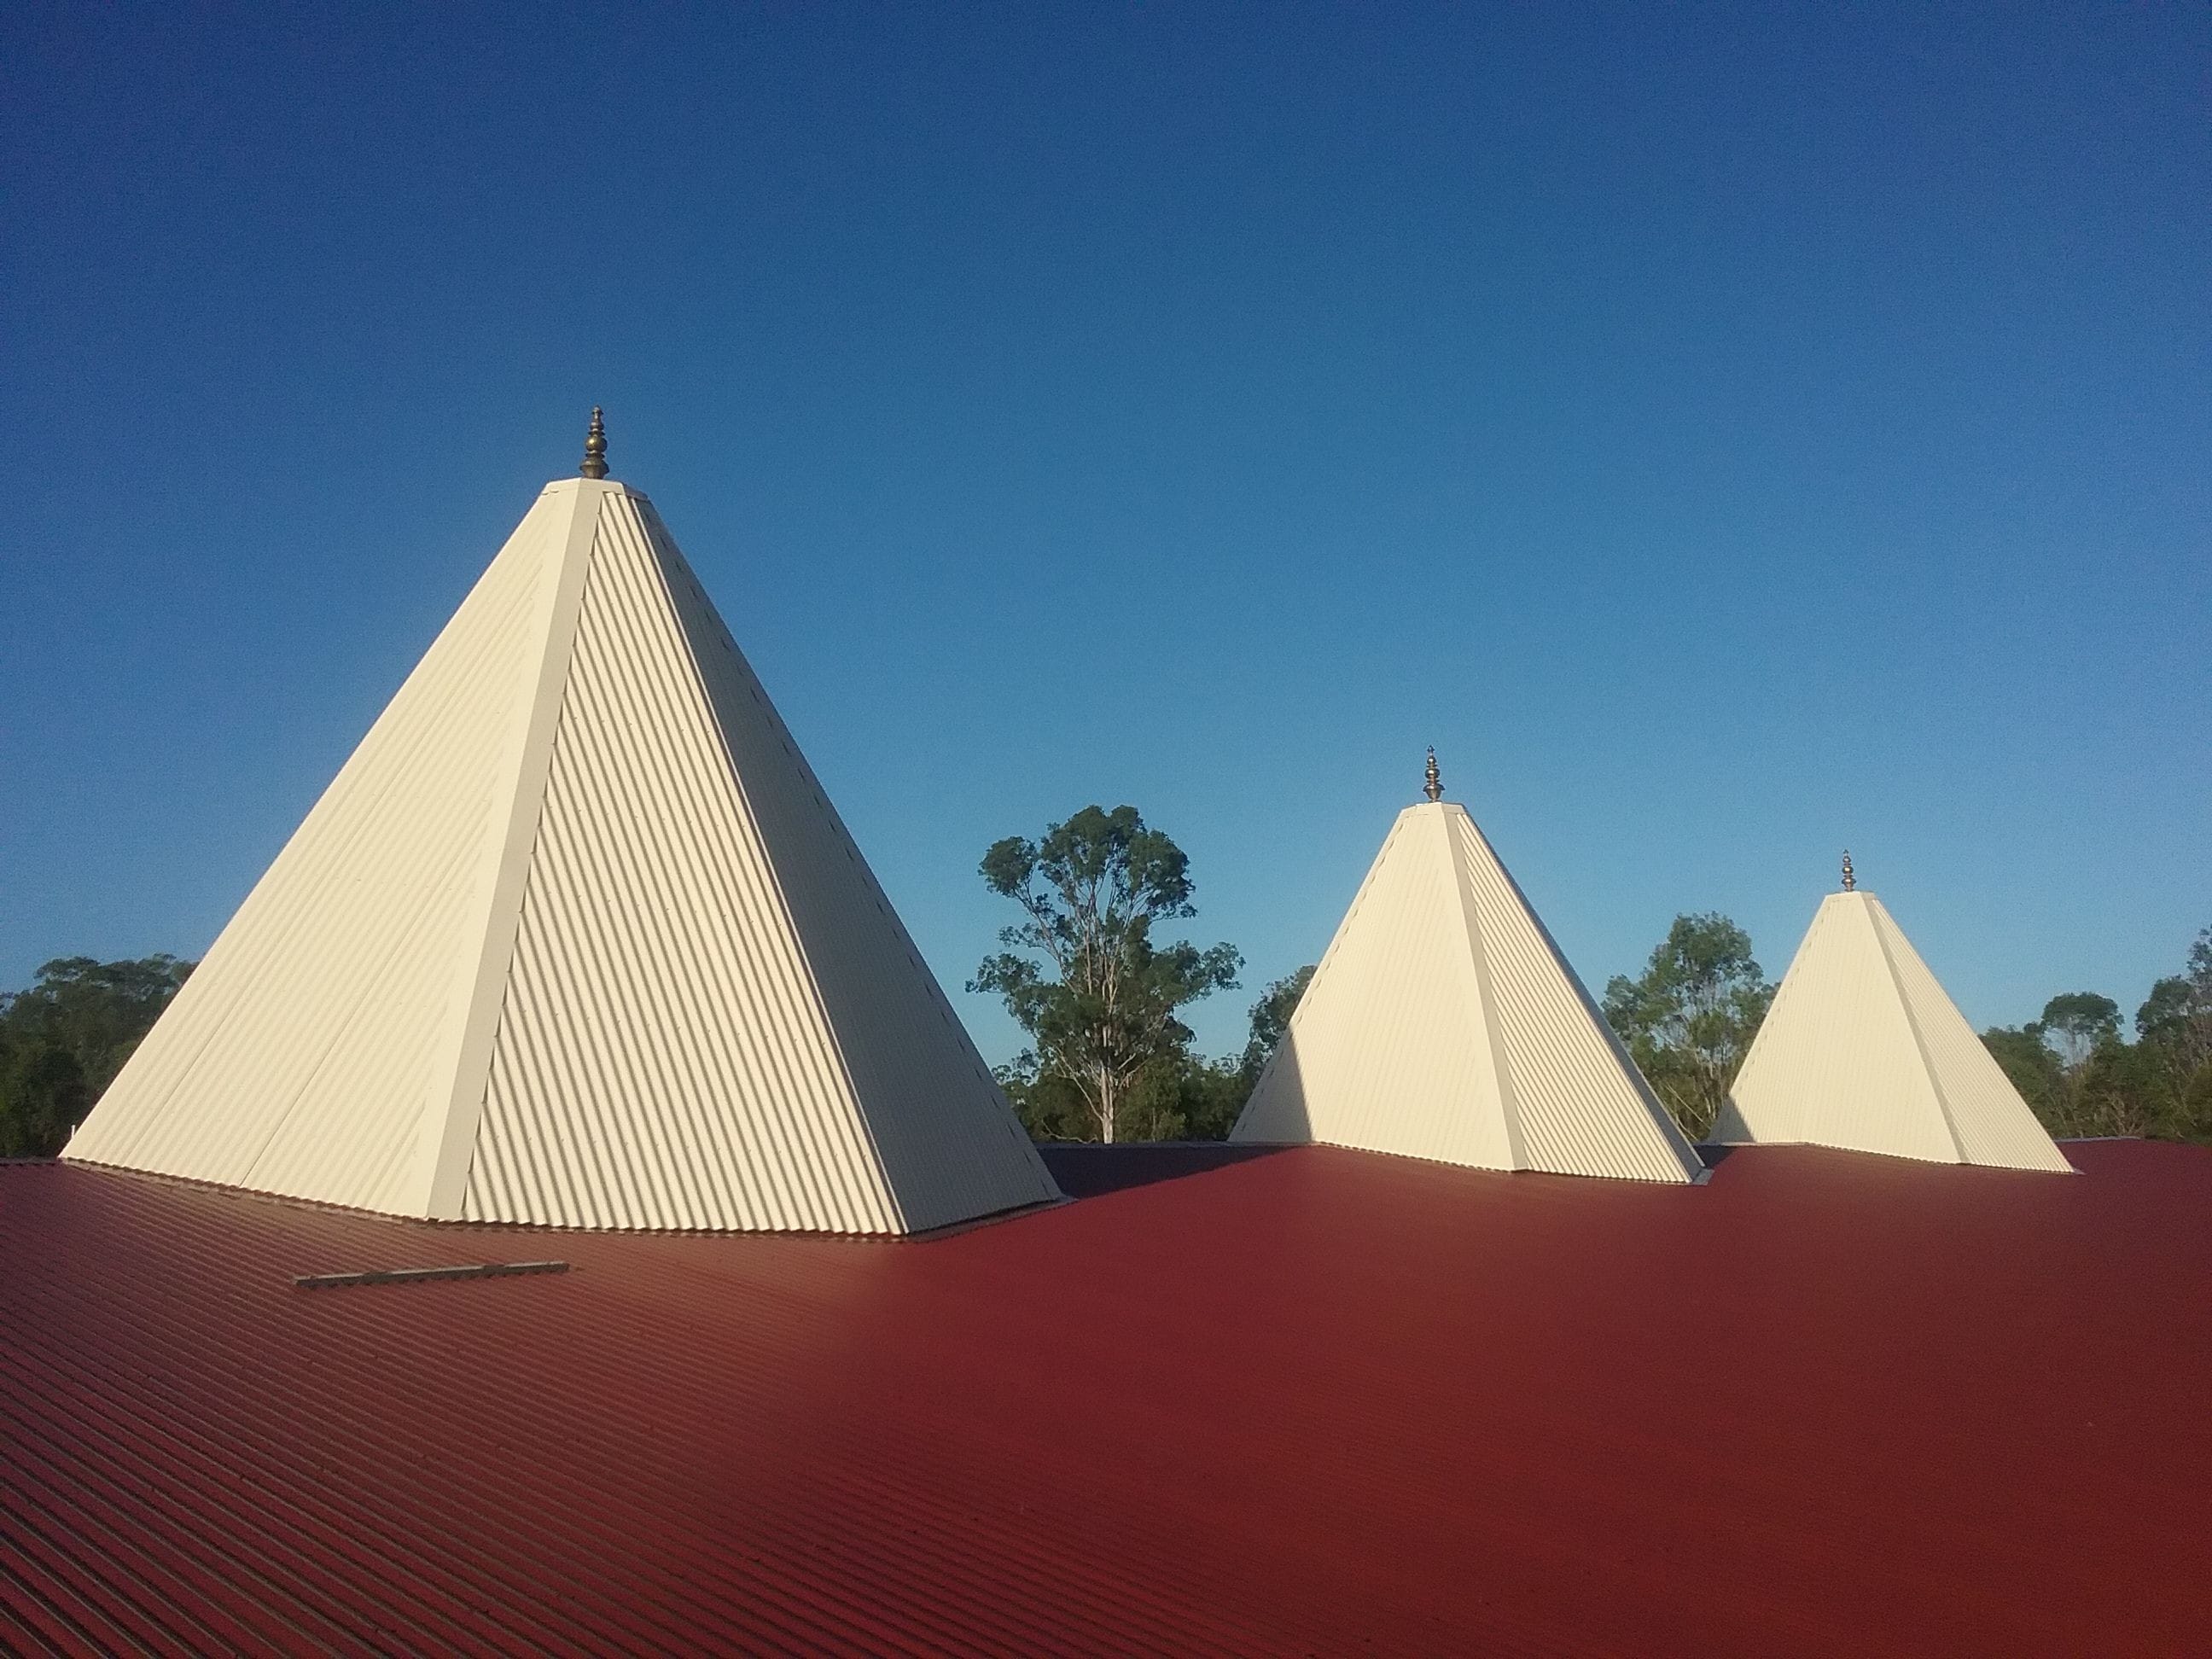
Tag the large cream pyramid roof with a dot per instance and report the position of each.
(1442, 1022)
(1863, 1049)
(575, 938)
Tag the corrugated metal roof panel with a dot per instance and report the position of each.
(1580, 1105)
(1305, 1400)
(1443, 1023)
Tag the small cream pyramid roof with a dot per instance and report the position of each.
(1863, 1049)
(575, 938)
(1442, 1022)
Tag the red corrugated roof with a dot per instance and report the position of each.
(1308, 1402)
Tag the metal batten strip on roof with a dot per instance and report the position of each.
(417, 1275)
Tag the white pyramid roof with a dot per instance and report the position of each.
(575, 938)
(1863, 1049)
(1442, 1022)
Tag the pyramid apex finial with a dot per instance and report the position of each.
(1850, 880)
(595, 446)
(1432, 785)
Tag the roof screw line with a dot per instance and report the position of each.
(1433, 787)
(1850, 881)
(595, 446)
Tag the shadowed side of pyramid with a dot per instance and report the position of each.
(949, 1144)
(1443, 1023)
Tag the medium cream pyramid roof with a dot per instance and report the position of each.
(1863, 1049)
(1442, 1022)
(575, 938)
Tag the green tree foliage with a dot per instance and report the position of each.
(1690, 1018)
(2080, 1023)
(2026, 1059)
(1178, 1095)
(2119, 1093)
(2175, 1023)
(2171, 1021)
(1100, 1007)
(63, 1040)
(1271, 1019)
(2081, 1077)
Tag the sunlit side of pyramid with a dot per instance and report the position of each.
(575, 938)
(1442, 1022)
(1863, 1049)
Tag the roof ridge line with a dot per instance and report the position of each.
(503, 886)
(1501, 1067)
(1875, 914)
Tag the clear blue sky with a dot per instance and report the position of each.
(1726, 434)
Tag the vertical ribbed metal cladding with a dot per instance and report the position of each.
(662, 1059)
(1444, 1023)
(1989, 1120)
(1583, 1108)
(949, 1145)
(1863, 1049)
(1836, 1061)
(298, 1058)
(574, 938)
(1386, 1050)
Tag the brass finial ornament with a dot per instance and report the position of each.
(1433, 785)
(595, 446)
(1850, 881)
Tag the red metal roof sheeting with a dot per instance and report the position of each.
(1310, 1401)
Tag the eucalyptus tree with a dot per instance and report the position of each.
(1271, 1019)
(2078, 1024)
(1690, 1016)
(1083, 974)
(2175, 1021)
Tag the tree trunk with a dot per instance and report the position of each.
(1106, 1103)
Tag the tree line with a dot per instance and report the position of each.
(1084, 977)
(63, 1040)
(1099, 997)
